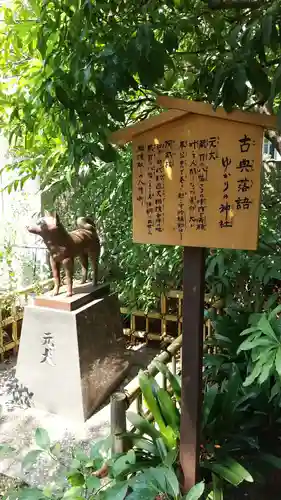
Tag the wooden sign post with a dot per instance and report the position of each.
(196, 183)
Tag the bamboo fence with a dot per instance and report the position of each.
(164, 324)
(121, 401)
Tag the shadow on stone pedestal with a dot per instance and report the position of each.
(72, 359)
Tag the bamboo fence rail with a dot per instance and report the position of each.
(11, 314)
(121, 401)
(164, 324)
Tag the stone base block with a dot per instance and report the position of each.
(72, 360)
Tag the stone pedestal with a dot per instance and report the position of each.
(71, 358)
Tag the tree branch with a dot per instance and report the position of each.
(139, 101)
(235, 4)
(273, 136)
(201, 51)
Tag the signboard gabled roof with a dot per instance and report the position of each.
(179, 108)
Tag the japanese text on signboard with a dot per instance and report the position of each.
(198, 191)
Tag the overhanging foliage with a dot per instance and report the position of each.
(74, 70)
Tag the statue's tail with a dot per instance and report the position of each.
(86, 223)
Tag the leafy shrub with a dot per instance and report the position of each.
(127, 476)
(263, 343)
(235, 428)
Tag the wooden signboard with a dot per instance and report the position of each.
(196, 182)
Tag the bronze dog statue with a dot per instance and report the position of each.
(64, 247)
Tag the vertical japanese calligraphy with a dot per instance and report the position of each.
(48, 349)
(150, 196)
(164, 158)
(140, 184)
(203, 151)
(225, 208)
(197, 183)
(181, 213)
(246, 168)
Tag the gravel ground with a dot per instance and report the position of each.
(19, 421)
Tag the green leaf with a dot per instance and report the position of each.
(80, 455)
(252, 329)
(275, 86)
(30, 494)
(271, 301)
(208, 402)
(278, 361)
(168, 409)
(158, 474)
(48, 492)
(162, 450)
(174, 382)
(224, 473)
(252, 377)
(276, 389)
(42, 438)
(117, 492)
(217, 485)
(100, 448)
(170, 437)
(256, 342)
(233, 472)
(146, 384)
(76, 479)
(266, 369)
(170, 40)
(35, 7)
(232, 391)
(145, 493)
(272, 315)
(172, 481)
(142, 443)
(196, 492)
(171, 457)
(75, 464)
(233, 36)
(228, 94)
(271, 459)
(279, 117)
(63, 97)
(68, 176)
(123, 463)
(6, 450)
(74, 492)
(92, 483)
(267, 29)
(31, 458)
(265, 326)
(240, 78)
(55, 449)
(131, 457)
(258, 78)
(143, 425)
